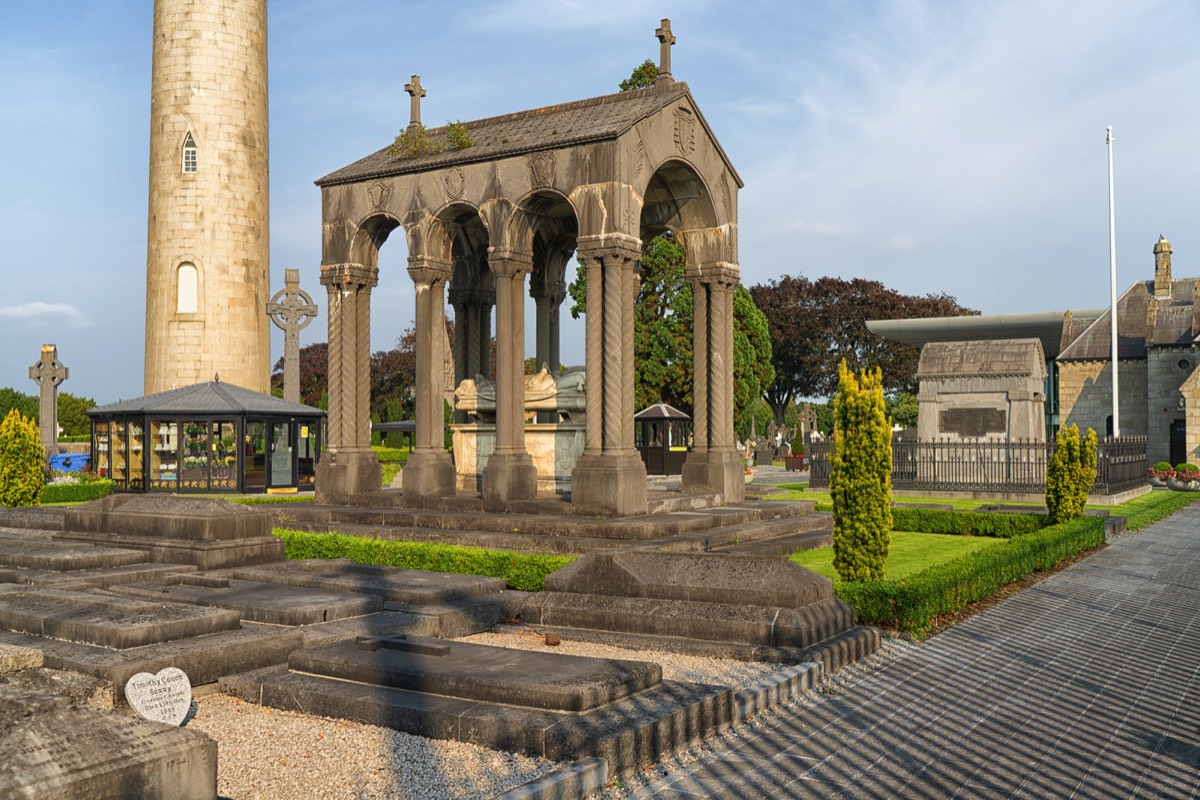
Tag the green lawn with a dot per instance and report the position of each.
(908, 554)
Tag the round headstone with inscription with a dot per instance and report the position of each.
(165, 697)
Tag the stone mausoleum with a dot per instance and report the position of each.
(498, 213)
(1158, 326)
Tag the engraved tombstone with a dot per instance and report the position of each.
(165, 697)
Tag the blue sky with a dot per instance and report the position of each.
(950, 147)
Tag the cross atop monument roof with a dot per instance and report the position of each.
(416, 92)
(665, 39)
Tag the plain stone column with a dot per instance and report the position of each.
(349, 466)
(510, 473)
(429, 472)
(609, 477)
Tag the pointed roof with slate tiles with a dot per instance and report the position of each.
(1146, 321)
(548, 128)
(209, 399)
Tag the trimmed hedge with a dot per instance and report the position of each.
(523, 571)
(912, 604)
(76, 492)
(968, 523)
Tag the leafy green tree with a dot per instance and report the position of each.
(902, 409)
(662, 333)
(815, 324)
(21, 461)
(644, 76)
(27, 404)
(72, 414)
(1070, 473)
(860, 480)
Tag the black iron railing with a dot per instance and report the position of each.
(990, 465)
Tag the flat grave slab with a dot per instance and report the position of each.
(416, 587)
(259, 602)
(41, 554)
(84, 754)
(479, 672)
(101, 577)
(92, 616)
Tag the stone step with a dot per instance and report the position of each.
(643, 528)
(783, 545)
(730, 538)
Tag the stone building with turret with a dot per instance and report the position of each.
(207, 259)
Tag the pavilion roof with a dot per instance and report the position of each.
(546, 128)
(207, 399)
(659, 411)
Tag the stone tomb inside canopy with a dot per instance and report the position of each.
(594, 178)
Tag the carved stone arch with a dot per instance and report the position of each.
(367, 237)
(676, 197)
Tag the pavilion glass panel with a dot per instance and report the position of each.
(282, 455)
(102, 462)
(254, 455)
(119, 453)
(137, 444)
(224, 455)
(194, 475)
(164, 457)
(306, 451)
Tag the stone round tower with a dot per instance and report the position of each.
(207, 260)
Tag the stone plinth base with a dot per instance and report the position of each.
(428, 474)
(612, 484)
(343, 474)
(508, 476)
(555, 448)
(721, 472)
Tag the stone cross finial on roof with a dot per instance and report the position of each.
(665, 39)
(48, 373)
(416, 92)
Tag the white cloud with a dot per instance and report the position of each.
(902, 243)
(38, 311)
(823, 229)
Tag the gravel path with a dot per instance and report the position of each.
(267, 753)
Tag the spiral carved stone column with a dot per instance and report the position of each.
(713, 465)
(429, 472)
(349, 466)
(610, 477)
(510, 473)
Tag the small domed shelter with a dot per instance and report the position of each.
(208, 437)
(663, 433)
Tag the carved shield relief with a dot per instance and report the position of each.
(685, 131)
(379, 193)
(455, 181)
(541, 170)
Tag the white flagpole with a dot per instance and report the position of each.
(1112, 266)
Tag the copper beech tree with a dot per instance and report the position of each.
(815, 324)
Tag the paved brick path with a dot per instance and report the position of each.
(1085, 685)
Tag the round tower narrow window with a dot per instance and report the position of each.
(187, 294)
(190, 154)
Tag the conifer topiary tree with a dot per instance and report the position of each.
(1070, 474)
(860, 480)
(21, 461)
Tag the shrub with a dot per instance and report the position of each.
(911, 605)
(523, 571)
(457, 136)
(967, 523)
(77, 492)
(1070, 474)
(860, 480)
(22, 461)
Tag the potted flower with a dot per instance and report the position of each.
(1186, 478)
(1159, 473)
(749, 473)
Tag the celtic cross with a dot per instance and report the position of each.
(48, 373)
(291, 309)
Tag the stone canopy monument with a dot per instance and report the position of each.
(515, 198)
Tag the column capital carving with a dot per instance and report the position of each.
(609, 247)
(509, 263)
(427, 271)
(719, 274)
(349, 275)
